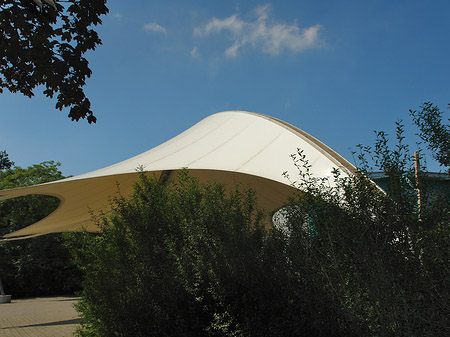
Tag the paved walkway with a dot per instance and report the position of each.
(40, 317)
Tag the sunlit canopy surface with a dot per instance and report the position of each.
(231, 147)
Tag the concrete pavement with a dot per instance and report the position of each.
(40, 317)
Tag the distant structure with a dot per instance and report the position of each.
(435, 185)
(231, 147)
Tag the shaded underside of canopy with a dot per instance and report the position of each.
(231, 147)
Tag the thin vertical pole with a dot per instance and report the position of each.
(419, 193)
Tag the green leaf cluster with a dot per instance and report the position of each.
(5, 162)
(434, 131)
(44, 44)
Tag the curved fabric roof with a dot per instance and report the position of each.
(229, 147)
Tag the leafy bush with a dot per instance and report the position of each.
(382, 259)
(187, 259)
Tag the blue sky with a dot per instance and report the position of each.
(337, 69)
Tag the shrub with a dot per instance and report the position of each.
(384, 261)
(191, 259)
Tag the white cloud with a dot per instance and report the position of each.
(194, 52)
(233, 24)
(154, 27)
(262, 33)
(117, 16)
(233, 50)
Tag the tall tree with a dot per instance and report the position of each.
(43, 43)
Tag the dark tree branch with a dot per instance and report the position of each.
(44, 46)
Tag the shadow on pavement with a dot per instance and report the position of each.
(69, 321)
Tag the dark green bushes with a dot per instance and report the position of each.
(386, 269)
(188, 259)
(382, 258)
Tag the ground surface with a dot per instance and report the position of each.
(42, 317)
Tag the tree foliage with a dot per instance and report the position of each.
(434, 131)
(44, 44)
(38, 266)
(5, 162)
(382, 260)
(189, 259)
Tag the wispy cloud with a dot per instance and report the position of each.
(233, 24)
(117, 16)
(154, 27)
(194, 52)
(262, 33)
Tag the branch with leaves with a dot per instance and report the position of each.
(43, 43)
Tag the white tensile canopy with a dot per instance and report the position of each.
(231, 147)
